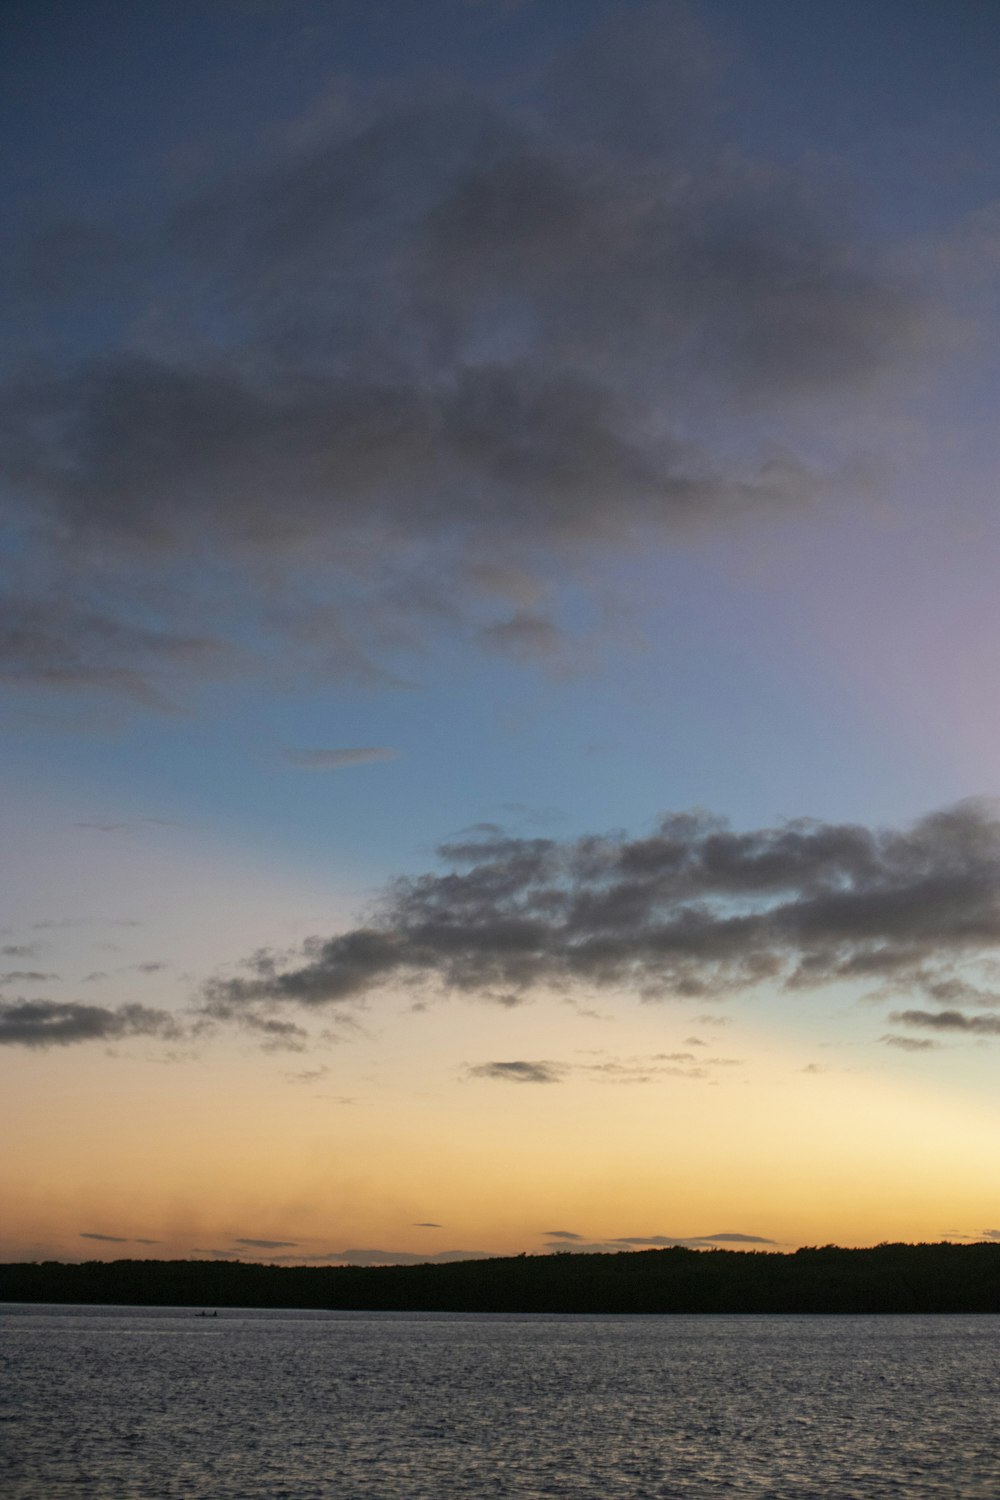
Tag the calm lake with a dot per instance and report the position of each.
(152, 1404)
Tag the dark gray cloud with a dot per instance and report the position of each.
(27, 976)
(401, 375)
(518, 1072)
(52, 1023)
(695, 909)
(948, 1020)
(561, 1234)
(427, 1224)
(336, 760)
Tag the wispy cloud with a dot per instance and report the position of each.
(568, 329)
(266, 1244)
(338, 760)
(652, 1242)
(909, 1043)
(518, 1072)
(374, 1257)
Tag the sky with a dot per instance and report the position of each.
(499, 636)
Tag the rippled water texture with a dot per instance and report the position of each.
(156, 1404)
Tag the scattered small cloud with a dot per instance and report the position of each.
(518, 1072)
(307, 1075)
(909, 1043)
(111, 1239)
(338, 760)
(266, 1244)
(653, 1242)
(739, 1239)
(427, 1224)
(561, 1234)
(374, 1257)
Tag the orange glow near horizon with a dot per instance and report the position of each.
(198, 1159)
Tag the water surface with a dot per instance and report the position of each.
(153, 1404)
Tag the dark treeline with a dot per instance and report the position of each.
(884, 1279)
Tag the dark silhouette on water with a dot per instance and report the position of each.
(943, 1278)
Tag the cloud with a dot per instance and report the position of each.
(392, 379)
(518, 1072)
(336, 760)
(399, 1257)
(693, 909)
(307, 1075)
(561, 1234)
(267, 1244)
(948, 1020)
(909, 1043)
(652, 1242)
(26, 976)
(128, 826)
(428, 1225)
(51, 1023)
(739, 1239)
(524, 636)
(630, 1070)
(112, 1239)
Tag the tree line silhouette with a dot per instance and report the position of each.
(888, 1278)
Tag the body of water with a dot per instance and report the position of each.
(160, 1404)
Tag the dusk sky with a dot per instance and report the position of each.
(500, 630)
